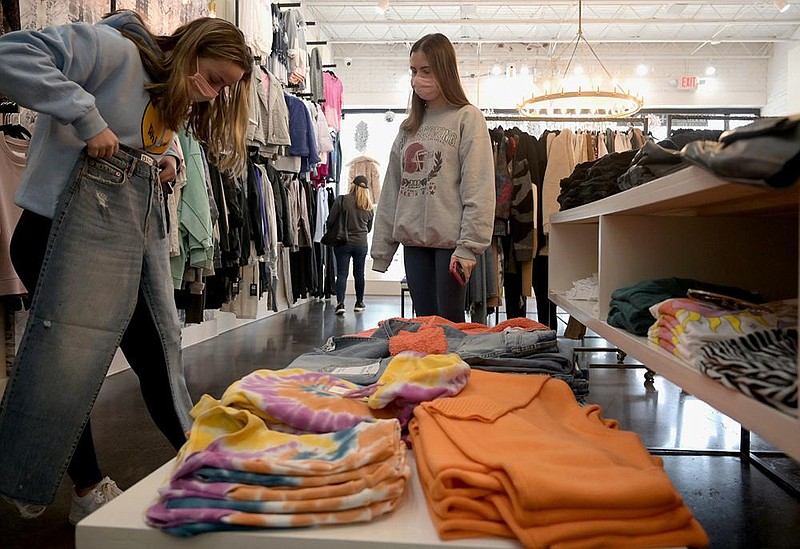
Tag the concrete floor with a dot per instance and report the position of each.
(735, 502)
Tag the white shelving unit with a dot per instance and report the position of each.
(689, 224)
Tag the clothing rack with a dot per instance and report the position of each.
(726, 118)
(632, 120)
(8, 107)
(520, 118)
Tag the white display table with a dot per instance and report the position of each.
(119, 525)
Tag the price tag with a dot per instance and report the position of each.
(368, 370)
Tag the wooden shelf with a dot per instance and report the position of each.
(769, 423)
(691, 191)
(689, 224)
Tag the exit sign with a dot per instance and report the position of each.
(687, 83)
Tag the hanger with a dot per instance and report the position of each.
(9, 128)
(17, 131)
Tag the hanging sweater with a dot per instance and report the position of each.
(368, 167)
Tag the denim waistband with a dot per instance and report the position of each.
(132, 161)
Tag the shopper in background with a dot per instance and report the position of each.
(91, 244)
(358, 206)
(438, 195)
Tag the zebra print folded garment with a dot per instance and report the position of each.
(762, 365)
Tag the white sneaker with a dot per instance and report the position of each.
(26, 510)
(83, 506)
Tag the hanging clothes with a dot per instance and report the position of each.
(297, 66)
(368, 167)
(13, 156)
(255, 22)
(316, 83)
(268, 127)
(334, 98)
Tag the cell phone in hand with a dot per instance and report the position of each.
(458, 273)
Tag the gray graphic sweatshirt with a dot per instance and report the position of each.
(439, 189)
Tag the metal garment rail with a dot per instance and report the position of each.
(593, 120)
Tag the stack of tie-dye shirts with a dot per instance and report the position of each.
(294, 448)
(752, 350)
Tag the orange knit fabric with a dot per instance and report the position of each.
(468, 327)
(518, 456)
(428, 339)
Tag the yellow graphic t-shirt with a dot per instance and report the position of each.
(156, 137)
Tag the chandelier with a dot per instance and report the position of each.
(582, 102)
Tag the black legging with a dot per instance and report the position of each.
(140, 344)
(432, 286)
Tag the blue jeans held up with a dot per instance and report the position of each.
(107, 241)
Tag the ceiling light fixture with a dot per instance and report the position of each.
(581, 101)
(711, 70)
(382, 5)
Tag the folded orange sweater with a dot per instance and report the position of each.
(555, 472)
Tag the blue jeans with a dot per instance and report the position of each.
(343, 255)
(106, 246)
(361, 360)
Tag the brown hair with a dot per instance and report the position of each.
(444, 66)
(220, 124)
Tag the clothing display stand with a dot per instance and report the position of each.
(604, 237)
(120, 525)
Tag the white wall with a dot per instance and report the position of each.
(737, 83)
(793, 81)
(777, 80)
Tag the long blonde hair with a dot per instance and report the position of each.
(363, 200)
(220, 124)
(444, 66)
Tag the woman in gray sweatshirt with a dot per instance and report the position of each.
(438, 196)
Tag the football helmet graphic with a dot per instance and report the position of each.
(416, 159)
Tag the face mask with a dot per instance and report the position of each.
(425, 88)
(200, 90)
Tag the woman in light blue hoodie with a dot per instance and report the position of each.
(91, 244)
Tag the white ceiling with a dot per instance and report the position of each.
(538, 30)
